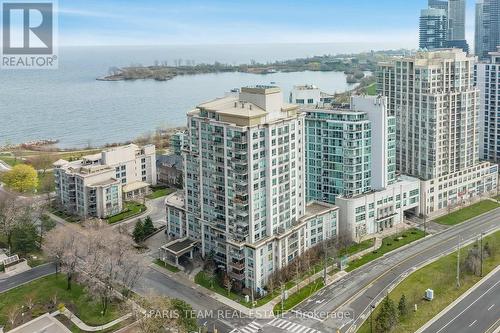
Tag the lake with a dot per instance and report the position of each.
(69, 105)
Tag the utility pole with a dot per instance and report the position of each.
(252, 294)
(326, 262)
(425, 225)
(458, 263)
(282, 297)
(481, 244)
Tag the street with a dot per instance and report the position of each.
(478, 312)
(358, 290)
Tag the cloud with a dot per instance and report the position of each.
(87, 13)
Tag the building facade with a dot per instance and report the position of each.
(245, 185)
(380, 210)
(94, 186)
(351, 161)
(487, 76)
(338, 153)
(177, 141)
(436, 105)
(487, 36)
(433, 30)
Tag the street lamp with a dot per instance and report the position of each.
(481, 244)
(371, 318)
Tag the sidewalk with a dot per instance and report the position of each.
(84, 327)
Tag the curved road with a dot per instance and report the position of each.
(356, 292)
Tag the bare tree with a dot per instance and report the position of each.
(228, 283)
(63, 246)
(30, 300)
(12, 315)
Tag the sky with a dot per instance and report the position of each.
(169, 22)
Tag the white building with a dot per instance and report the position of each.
(377, 211)
(244, 185)
(93, 186)
(487, 75)
(309, 95)
(436, 104)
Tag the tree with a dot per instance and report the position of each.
(22, 178)
(402, 306)
(387, 318)
(179, 181)
(228, 284)
(25, 238)
(63, 245)
(12, 213)
(148, 227)
(138, 233)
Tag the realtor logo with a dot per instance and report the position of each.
(28, 35)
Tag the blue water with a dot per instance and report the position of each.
(68, 104)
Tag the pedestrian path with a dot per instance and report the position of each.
(84, 327)
(291, 327)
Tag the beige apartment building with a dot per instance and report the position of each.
(97, 184)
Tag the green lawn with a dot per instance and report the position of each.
(162, 264)
(441, 277)
(467, 213)
(357, 247)
(371, 89)
(10, 160)
(87, 308)
(131, 209)
(388, 244)
(202, 280)
(299, 296)
(65, 216)
(160, 192)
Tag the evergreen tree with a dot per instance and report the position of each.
(138, 233)
(387, 318)
(25, 239)
(148, 227)
(403, 306)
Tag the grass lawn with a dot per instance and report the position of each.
(467, 213)
(441, 277)
(371, 89)
(65, 216)
(357, 247)
(131, 209)
(299, 296)
(162, 264)
(388, 244)
(202, 280)
(160, 192)
(10, 160)
(87, 308)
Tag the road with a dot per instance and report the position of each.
(26, 276)
(478, 312)
(355, 293)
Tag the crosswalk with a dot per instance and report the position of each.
(253, 327)
(291, 327)
(281, 324)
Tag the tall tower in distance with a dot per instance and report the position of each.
(456, 20)
(433, 29)
(487, 36)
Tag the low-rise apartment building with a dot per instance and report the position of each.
(95, 185)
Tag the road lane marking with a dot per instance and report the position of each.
(467, 308)
(491, 306)
(475, 321)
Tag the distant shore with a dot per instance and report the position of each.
(353, 65)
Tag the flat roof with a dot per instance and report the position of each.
(134, 186)
(43, 324)
(179, 245)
